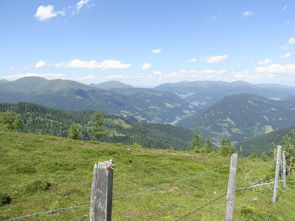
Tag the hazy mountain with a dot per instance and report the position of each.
(144, 105)
(111, 85)
(204, 93)
(264, 143)
(241, 116)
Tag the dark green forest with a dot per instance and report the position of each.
(43, 120)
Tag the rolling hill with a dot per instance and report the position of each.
(242, 116)
(44, 120)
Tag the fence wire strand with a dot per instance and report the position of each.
(168, 184)
(46, 212)
(119, 198)
(219, 197)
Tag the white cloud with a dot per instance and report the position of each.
(216, 59)
(87, 77)
(287, 55)
(277, 69)
(146, 66)
(104, 65)
(248, 13)
(81, 4)
(40, 64)
(285, 7)
(193, 60)
(47, 12)
(291, 41)
(264, 62)
(210, 59)
(44, 75)
(157, 51)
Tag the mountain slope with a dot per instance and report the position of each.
(138, 104)
(44, 120)
(43, 173)
(205, 93)
(264, 143)
(241, 116)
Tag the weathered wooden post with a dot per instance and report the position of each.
(276, 182)
(101, 193)
(231, 189)
(284, 170)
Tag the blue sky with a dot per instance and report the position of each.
(148, 42)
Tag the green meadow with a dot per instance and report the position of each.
(40, 173)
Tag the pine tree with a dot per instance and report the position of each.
(208, 145)
(10, 121)
(97, 127)
(74, 132)
(196, 143)
(226, 147)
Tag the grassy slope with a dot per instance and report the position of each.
(68, 165)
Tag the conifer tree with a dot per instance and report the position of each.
(74, 132)
(226, 147)
(208, 145)
(196, 143)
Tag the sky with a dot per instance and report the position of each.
(148, 42)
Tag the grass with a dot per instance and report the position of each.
(40, 173)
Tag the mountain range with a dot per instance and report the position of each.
(237, 110)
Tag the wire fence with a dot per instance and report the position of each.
(256, 185)
(122, 197)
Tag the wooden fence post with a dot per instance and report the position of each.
(276, 182)
(101, 193)
(231, 189)
(284, 170)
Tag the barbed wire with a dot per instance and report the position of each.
(119, 198)
(219, 197)
(46, 212)
(168, 184)
(201, 207)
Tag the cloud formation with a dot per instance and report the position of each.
(287, 55)
(157, 51)
(104, 65)
(146, 66)
(40, 64)
(248, 13)
(210, 59)
(264, 62)
(47, 12)
(277, 69)
(291, 41)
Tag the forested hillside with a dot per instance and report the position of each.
(44, 120)
(265, 143)
(242, 116)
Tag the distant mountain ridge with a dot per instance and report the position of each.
(205, 93)
(242, 116)
(143, 105)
